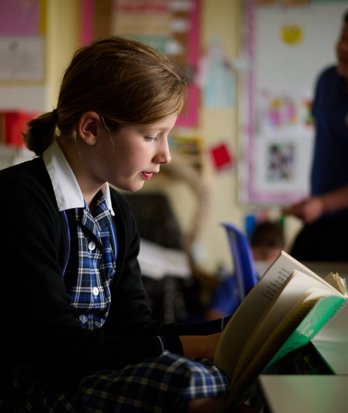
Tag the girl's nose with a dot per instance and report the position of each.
(163, 155)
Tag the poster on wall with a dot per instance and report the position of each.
(21, 41)
(276, 129)
(171, 26)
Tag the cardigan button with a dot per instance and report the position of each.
(95, 291)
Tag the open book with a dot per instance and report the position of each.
(284, 311)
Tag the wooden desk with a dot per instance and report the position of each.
(305, 394)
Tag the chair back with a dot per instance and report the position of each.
(242, 259)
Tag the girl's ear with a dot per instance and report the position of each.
(87, 127)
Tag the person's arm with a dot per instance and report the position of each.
(39, 322)
(213, 314)
(200, 346)
(40, 325)
(312, 208)
(131, 313)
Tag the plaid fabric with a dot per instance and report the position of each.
(163, 384)
(89, 283)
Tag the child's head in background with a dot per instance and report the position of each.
(267, 241)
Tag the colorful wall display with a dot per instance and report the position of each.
(283, 59)
(171, 26)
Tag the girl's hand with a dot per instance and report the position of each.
(200, 346)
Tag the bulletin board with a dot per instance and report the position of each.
(284, 49)
(21, 41)
(170, 26)
(22, 55)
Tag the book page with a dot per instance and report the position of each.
(308, 316)
(282, 305)
(310, 326)
(252, 309)
(337, 282)
(242, 378)
(292, 264)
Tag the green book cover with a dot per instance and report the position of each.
(313, 322)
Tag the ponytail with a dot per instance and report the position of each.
(41, 132)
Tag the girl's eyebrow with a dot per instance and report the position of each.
(152, 129)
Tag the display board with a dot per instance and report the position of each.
(284, 49)
(22, 55)
(171, 26)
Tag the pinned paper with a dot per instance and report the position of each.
(12, 126)
(291, 34)
(217, 77)
(221, 156)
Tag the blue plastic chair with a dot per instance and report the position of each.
(242, 259)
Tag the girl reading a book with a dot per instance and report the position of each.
(77, 330)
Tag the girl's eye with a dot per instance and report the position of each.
(151, 138)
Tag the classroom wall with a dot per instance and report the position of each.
(62, 40)
(223, 19)
(220, 19)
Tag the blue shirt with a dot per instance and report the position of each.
(88, 277)
(330, 111)
(92, 241)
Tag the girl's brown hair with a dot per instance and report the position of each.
(123, 80)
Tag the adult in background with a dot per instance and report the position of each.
(323, 236)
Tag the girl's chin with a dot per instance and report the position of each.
(132, 187)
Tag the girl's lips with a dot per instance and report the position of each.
(147, 175)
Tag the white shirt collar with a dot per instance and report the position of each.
(66, 188)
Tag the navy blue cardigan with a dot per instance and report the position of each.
(39, 325)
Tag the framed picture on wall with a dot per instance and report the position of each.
(276, 129)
